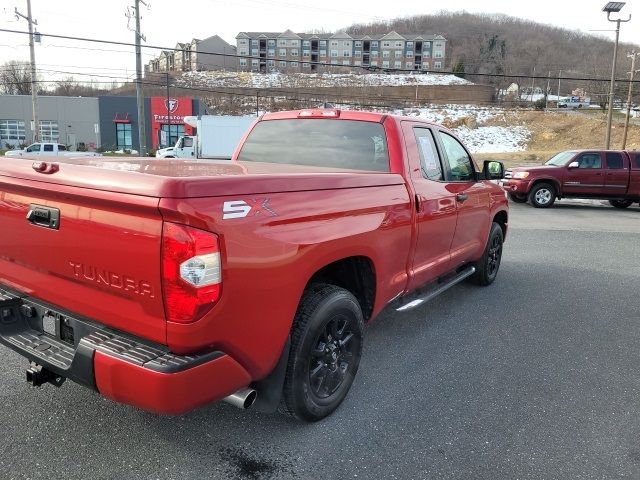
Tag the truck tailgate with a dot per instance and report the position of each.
(100, 259)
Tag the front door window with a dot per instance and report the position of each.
(590, 160)
(460, 167)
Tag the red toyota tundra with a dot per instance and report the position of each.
(608, 175)
(170, 284)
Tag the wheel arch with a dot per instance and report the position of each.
(554, 182)
(356, 274)
(502, 218)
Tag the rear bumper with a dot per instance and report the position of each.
(123, 368)
(515, 186)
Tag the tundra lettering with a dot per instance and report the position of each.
(111, 279)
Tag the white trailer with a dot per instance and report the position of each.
(216, 137)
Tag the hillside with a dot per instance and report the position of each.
(496, 43)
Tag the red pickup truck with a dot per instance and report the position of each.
(170, 284)
(609, 175)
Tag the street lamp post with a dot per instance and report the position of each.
(613, 7)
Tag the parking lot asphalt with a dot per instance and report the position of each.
(534, 377)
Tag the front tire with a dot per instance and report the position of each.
(542, 195)
(326, 346)
(621, 203)
(514, 197)
(487, 267)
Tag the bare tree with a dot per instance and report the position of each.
(15, 78)
(66, 87)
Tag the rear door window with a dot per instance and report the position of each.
(48, 147)
(614, 160)
(429, 158)
(636, 158)
(334, 144)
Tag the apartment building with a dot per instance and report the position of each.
(308, 52)
(196, 55)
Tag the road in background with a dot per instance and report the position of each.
(537, 376)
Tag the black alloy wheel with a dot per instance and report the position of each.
(333, 356)
(487, 267)
(326, 346)
(494, 256)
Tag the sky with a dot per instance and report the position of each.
(166, 22)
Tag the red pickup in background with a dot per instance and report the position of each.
(608, 175)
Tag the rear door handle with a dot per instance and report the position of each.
(462, 197)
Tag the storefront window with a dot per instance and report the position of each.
(11, 133)
(123, 136)
(170, 138)
(49, 131)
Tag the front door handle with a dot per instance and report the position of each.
(462, 197)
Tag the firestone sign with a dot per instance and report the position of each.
(169, 111)
(171, 104)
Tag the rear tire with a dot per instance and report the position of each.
(621, 203)
(326, 346)
(487, 267)
(542, 195)
(514, 197)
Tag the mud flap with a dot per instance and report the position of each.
(270, 388)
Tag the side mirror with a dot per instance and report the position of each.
(573, 165)
(492, 170)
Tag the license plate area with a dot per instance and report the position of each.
(50, 323)
(59, 326)
(48, 320)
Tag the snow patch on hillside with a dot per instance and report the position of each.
(494, 139)
(300, 80)
(466, 121)
(452, 113)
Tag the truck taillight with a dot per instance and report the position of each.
(191, 272)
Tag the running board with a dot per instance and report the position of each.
(425, 297)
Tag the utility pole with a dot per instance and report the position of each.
(546, 92)
(558, 95)
(613, 7)
(168, 112)
(142, 136)
(32, 52)
(633, 56)
(533, 79)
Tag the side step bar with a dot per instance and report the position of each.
(420, 298)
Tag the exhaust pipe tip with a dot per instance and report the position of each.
(243, 398)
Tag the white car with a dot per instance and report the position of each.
(48, 149)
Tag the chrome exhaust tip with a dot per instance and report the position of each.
(242, 399)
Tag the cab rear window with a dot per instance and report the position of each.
(335, 144)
